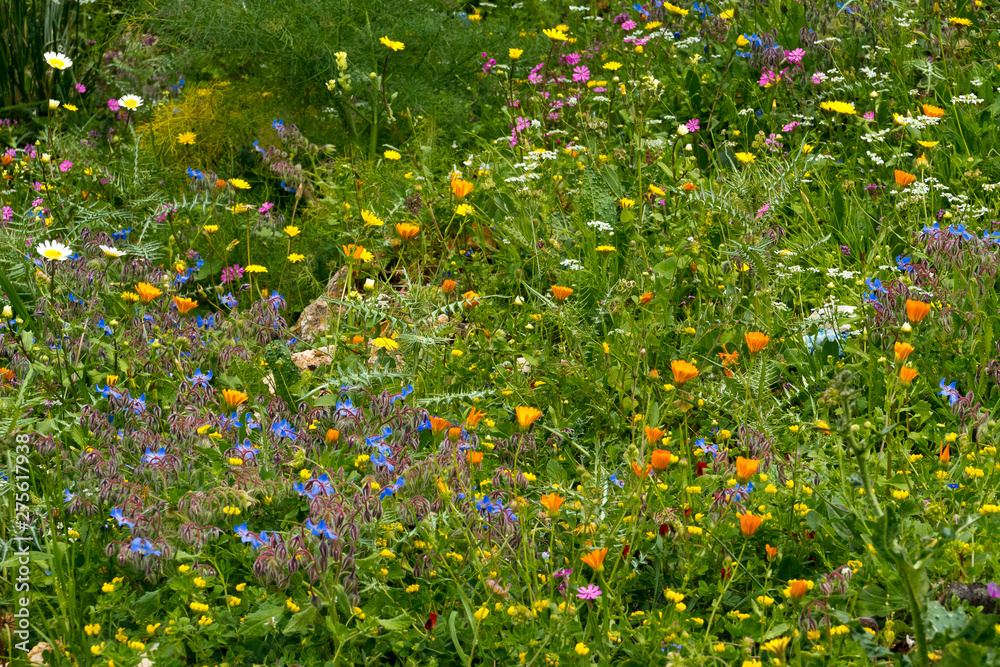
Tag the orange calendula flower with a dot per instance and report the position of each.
(353, 251)
(932, 111)
(561, 293)
(653, 435)
(772, 552)
(903, 178)
(448, 286)
(439, 425)
(472, 421)
(639, 471)
(903, 350)
(475, 458)
(454, 433)
(184, 306)
(945, 455)
(595, 559)
(917, 310)
(147, 292)
(728, 359)
(7, 375)
(646, 298)
(407, 231)
(797, 588)
(749, 523)
(907, 374)
(526, 416)
(332, 436)
(461, 188)
(745, 468)
(683, 371)
(471, 300)
(552, 502)
(756, 341)
(233, 397)
(660, 459)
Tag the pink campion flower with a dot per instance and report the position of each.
(65, 166)
(795, 56)
(7, 213)
(80, 88)
(767, 78)
(265, 207)
(600, 89)
(693, 125)
(232, 273)
(534, 77)
(113, 104)
(581, 74)
(791, 126)
(37, 202)
(488, 65)
(572, 58)
(818, 78)
(870, 115)
(629, 25)
(588, 592)
(762, 210)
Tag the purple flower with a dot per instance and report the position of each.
(80, 88)
(588, 592)
(572, 58)
(7, 213)
(581, 74)
(113, 104)
(869, 115)
(693, 125)
(818, 78)
(65, 166)
(629, 25)
(265, 207)
(993, 589)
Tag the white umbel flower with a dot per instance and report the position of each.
(54, 250)
(57, 60)
(131, 102)
(111, 251)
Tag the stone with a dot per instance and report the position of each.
(315, 318)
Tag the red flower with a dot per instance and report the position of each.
(664, 528)
(431, 622)
(625, 551)
(700, 468)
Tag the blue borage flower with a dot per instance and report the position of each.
(120, 517)
(875, 285)
(200, 379)
(155, 458)
(318, 486)
(195, 174)
(245, 451)
(229, 423)
(403, 393)
(104, 327)
(391, 489)
(320, 529)
(68, 497)
(345, 410)
(949, 391)
(229, 301)
(283, 429)
(121, 234)
(276, 301)
(143, 546)
(253, 539)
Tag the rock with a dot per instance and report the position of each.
(310, 360)
(315, 318)
(35, 654)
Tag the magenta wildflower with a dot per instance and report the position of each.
(572, 58)
(791, 126)
(65, 166)
(232, 274)
(869, 115)
(795, 56)
(265, 207)
(80, 88)
(581, 74)
(818, 78)
(588, 592)
(767, 78)
(7, 213)
(693, 125)
(762, 210)
(629, 25)
(113, 104)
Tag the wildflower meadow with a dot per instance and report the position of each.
(499, 333)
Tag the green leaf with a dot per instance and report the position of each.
(300, 622)
(454, 637)
(400, 622)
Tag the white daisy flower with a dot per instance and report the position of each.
(111, 251)
(57, 60)
(54, 250)
(131, 102)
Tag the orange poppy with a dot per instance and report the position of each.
(332, 436)
(945, 455)
(646, 298)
